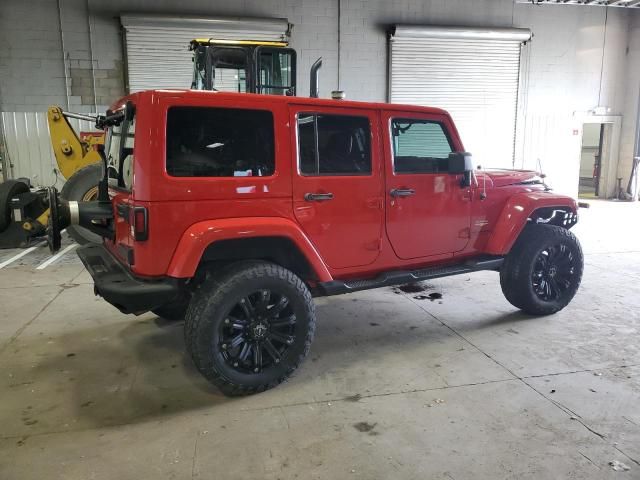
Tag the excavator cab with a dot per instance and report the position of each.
(244, 66)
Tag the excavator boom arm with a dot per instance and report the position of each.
(72, 153)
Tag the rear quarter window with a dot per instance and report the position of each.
(219, 142)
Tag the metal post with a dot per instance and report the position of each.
(632, 186)
(64, 54)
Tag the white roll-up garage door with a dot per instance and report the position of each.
(157, 46)
(471, 73)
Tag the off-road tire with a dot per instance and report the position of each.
(516, 273)
(75, 189)
(8, 190)
(213, 301)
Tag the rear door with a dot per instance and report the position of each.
(338, 186)
(120, 151)
(428, 212)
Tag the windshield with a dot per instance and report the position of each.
(264, 70)
(276, 70)
(228, 67)
(120, 155)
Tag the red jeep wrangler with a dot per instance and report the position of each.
(234, 210)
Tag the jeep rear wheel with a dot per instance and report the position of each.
(249, 327)
(543, 271)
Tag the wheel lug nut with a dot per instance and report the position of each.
(277, 360)
(226, 320)
(256, 370)
(224, 346)
(235, 364)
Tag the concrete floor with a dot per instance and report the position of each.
(464, 387)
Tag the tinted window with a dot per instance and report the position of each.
(419, 146)
(333, 145)
(219, 142)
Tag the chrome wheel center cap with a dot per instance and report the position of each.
(259, 330)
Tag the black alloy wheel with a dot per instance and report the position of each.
(542, 272)
(258, 331)
(553, 272)
(249, 326)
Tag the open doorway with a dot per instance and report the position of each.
(591, 160)
(599, 156)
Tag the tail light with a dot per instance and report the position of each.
(140, 223)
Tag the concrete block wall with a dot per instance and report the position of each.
(364, 25)
(315, 31)
(31, 67)
(577, 60)
(35, 71)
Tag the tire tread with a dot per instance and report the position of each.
(220, 284)
(514, 274)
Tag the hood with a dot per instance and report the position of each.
(501, 178)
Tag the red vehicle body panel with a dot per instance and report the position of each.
(513, 218)
(362, 232)
(199, 236)
(330, 225)
(438, 211)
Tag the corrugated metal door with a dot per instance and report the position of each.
(471, 73)
(28, 147)
(157, 46)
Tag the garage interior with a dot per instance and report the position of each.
(442, 379)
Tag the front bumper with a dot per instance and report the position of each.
(118, 286)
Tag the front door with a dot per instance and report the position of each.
(428, 212)
(338, 187)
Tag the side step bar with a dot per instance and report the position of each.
(398, 277)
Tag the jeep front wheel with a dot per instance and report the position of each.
(249, 327)
(543, 270)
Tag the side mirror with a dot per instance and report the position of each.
(461, 162)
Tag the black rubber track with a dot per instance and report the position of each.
(207, 309)
(516, 272)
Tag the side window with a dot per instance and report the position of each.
(419, 146)
(219, 142)
(333, 144)
(229, 67)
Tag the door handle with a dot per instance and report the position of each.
(318, 197)
(402, 192)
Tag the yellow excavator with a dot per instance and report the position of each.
(231, 65)
(24, 211)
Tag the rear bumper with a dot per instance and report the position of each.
(118, 286)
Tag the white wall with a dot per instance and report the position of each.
(630, 108)
(576, 61)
